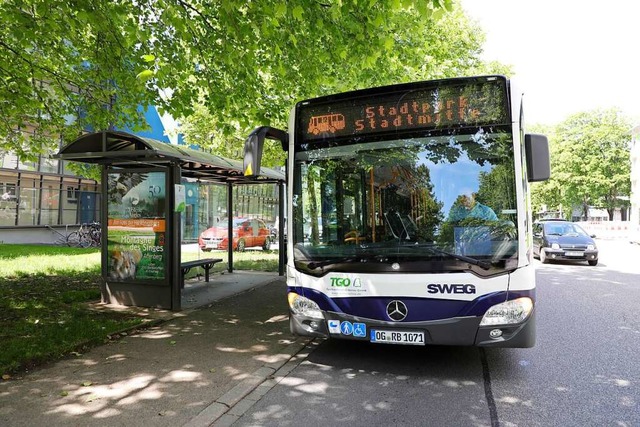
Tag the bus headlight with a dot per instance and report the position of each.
(304, 306)
(508, 313)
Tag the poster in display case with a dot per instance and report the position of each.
(136, 226)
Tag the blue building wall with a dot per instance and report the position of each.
(157, 128)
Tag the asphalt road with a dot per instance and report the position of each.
(584, 370)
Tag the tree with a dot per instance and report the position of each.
(548, 195)
(66, 65)
(407, 45)
(590, 163)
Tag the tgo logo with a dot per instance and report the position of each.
(450, 288)
(346, 282)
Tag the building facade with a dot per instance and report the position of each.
(37, 198)
(42, 201)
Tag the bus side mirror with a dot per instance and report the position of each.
(537, 154)
(254, 145)
(253, 155)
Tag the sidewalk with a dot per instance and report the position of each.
(209, 362)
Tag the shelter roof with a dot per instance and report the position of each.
(127, 150)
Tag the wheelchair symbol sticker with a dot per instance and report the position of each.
(359, 330)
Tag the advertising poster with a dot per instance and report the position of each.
(136, 226)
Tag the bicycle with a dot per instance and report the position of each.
(87, 235)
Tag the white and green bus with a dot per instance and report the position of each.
(410, 222)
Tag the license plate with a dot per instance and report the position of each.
(212, 245)
(570, 253)
(396, 337)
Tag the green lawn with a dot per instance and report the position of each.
(253, 260)
(43, 296)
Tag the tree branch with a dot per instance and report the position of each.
(205, 19)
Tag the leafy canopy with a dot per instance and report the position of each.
(66, 66)
(336, 52)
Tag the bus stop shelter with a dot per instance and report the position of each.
(142, 200)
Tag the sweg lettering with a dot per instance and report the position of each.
(453, 288)
(345, 282)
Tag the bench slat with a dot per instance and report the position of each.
(200, 262)
(206, 263)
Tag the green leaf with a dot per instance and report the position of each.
(297, 12)
(280, 10)
(389, 43)
(145, 75)
(148, 58)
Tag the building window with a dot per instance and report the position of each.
(72, 194)
(49, 205)
(26, 165)
(28, 208)
(8, 203)
(7, 191)
(9, 161)
(48, 165)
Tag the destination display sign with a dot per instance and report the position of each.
(461, 103)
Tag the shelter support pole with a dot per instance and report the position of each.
(230, 224)
(104, 238)
(173, 233)
(282, 252)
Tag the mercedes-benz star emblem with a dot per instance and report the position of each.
(397, 310)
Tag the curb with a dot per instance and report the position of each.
(232, 405)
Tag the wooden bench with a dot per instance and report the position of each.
(206, 263)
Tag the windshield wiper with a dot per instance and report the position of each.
(359, 258)
(319, 264)
(473, 261)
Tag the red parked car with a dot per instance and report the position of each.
(247, 233)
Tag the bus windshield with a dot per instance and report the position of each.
(416, 204)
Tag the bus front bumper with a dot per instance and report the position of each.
(459, 331)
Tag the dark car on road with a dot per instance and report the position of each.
(563, 240)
